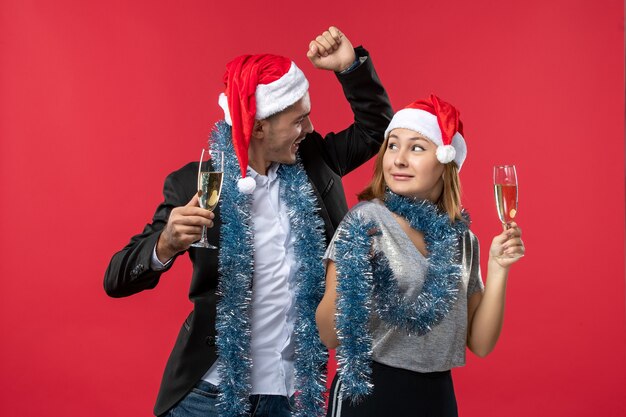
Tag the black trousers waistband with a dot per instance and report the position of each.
(399, 393)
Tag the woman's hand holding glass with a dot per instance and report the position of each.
(508, 247)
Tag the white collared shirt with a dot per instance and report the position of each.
(273, 292)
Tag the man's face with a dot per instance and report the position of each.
(284, 131)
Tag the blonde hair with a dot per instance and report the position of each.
(449, 201)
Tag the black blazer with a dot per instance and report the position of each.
(325, 161)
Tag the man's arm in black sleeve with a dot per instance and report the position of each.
(129, 270)
(350, 148)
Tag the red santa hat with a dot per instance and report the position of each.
(256, 87)
(438, 121)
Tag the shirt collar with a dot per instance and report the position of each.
(272, 174)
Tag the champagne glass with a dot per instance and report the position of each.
(210, 174)
(505, 190)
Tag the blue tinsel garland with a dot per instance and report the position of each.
(236, 268)
(365, 280)
(354, 289)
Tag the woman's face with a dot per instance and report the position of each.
(410, 165)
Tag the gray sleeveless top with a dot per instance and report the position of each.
(443, 347)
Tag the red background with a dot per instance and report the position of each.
(100, 100)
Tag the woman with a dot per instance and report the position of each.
(404, 293)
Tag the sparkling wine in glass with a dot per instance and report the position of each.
(210, 174)
(505, 189)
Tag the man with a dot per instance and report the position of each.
(251, 342)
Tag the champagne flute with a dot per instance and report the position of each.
(505, 190)
(210, 174)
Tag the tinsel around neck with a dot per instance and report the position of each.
(366, 283)
(236, 270)
(424, 215)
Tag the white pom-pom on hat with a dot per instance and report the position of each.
(446, 153)
(246, 185)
